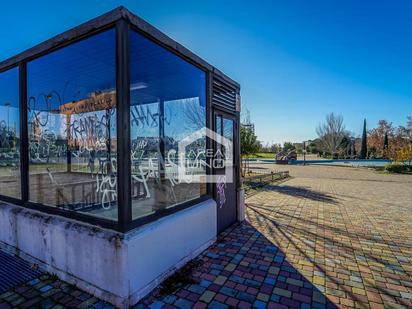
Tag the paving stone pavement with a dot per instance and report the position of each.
(328, 237)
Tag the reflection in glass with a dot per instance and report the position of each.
(167, 105)
(228, 134)
(224, 148)
(72, 127)
(219, 161)
(9, 134)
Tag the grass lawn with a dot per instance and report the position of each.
(271, 155)
(264, 155)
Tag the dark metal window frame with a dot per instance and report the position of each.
(173, 208)
(123, 21)
(6, 198)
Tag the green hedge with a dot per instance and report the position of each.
(397, 168)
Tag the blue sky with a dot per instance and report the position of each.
(296, 60)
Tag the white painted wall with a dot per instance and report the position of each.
(118, 268)
(154, 250)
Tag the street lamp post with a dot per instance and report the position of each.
(304, 153)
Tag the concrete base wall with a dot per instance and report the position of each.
(157, 250)
(119, 268)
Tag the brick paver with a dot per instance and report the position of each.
(328, 237)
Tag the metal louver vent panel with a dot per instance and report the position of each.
(224, 95)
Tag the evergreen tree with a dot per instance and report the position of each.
(386, 141)
(385, 145)
(364, 146)
(248, 145)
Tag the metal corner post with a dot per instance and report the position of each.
(124, 200)
(237, 146)
(24, 140)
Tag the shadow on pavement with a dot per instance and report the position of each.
(347, 260)
(243, 269)
(302, 192)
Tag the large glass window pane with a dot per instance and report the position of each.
(228, 134)
(72, 127)
(9, 134)
(168, 100)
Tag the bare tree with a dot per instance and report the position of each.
(331, 133)
(195, 116)
(245, 117)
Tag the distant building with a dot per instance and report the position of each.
(298, 145)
